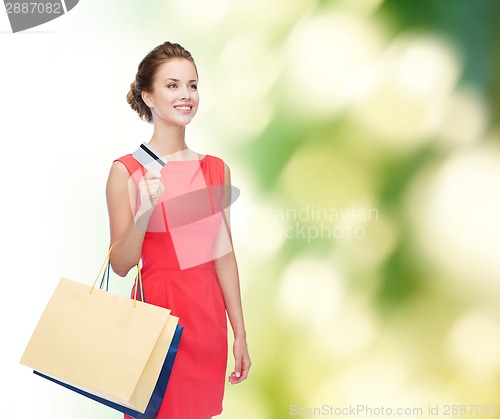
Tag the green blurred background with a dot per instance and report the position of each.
(364, 137)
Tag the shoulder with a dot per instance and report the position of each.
(214, 161)
(128, 162)
(218, 167)
(122, 170)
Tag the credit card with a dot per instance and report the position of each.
(149, 158)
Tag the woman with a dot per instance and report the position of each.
(176, 221)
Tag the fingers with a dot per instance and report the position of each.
(237, 368)
(242, 361)
(241, 370)
(151, 186)
(151, 189)
(152, 175)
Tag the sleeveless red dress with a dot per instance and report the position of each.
(178, 273)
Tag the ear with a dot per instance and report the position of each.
(148, 100)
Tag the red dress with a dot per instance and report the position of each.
(178, 273)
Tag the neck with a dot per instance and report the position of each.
(168, 139)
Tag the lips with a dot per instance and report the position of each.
(184, 108)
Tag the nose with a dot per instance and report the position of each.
(185, 94)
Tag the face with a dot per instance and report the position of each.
(174, 99)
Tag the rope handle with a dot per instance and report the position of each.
(106, 267)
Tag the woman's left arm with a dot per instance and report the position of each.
(227, 274)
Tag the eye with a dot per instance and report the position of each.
(172, 86)
(193, 86)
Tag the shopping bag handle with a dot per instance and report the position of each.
(106, 267)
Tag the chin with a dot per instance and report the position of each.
(177, 122)
(184, 123)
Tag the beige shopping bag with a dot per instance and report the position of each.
(105, 344)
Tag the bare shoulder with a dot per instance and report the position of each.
(118, 178)
(118, 172)
(118, 168)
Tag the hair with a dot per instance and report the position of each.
(146, 72)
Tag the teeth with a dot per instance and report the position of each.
(183, 108)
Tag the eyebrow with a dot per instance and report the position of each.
(190, 81)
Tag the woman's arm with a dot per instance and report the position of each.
(227, 274)
(126, 230)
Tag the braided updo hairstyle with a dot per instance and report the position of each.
(146, 72)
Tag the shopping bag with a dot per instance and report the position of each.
(158, 392)
(109, 346)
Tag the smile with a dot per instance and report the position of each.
(183, 108)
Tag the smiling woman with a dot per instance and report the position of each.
(154, 63)
(173, 95)
(182, 237)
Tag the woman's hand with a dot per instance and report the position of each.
(150, 191)
(150, 188)
(242, 361)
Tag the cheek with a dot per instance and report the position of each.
(168, 97)
(195, 98)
